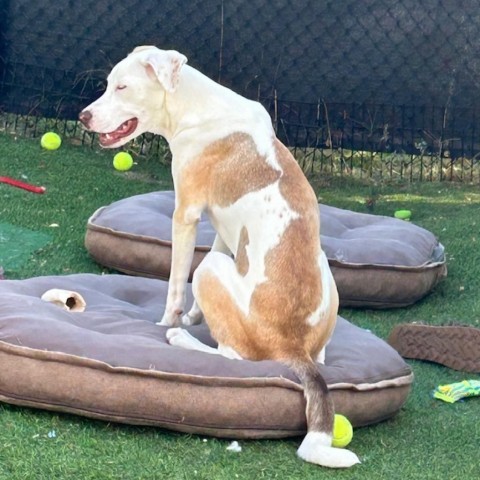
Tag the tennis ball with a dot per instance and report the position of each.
(403, 214)
(342, 431)
(50, 141)
(122, 161)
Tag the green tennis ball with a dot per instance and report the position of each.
(403, 214)
(50, 141)
(122, 161)
(342, 431)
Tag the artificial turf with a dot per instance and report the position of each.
(428, 439)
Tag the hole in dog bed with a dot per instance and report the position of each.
(111, 362)
(377, 261)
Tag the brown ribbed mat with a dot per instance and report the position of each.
(455, 346)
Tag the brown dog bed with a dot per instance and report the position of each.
(377, 261)
(111, 362)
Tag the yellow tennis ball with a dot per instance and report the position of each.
(50, 141)
(122, 161)
(342, 431)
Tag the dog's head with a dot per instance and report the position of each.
(135, 95)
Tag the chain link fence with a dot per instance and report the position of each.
(383, 88)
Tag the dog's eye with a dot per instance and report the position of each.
(121, 87)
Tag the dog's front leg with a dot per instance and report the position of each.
(194, 316)
(184, 227)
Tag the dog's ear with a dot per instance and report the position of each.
(166, 66)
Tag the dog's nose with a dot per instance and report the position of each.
(85, 117)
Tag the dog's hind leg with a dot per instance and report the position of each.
(195, 315)
(219, 265)
(216, 285)
(179, 337)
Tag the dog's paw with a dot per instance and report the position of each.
(172, 333)
(194, 316)
(178, 337)
(189, 319)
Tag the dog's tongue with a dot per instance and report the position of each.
(125, 129)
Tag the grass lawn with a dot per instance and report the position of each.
(429, 439)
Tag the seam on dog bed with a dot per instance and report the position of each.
(133, 236)
(244, 382)
(362, 387)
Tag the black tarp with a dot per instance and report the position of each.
(54, 56)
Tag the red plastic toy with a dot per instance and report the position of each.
(25, 186)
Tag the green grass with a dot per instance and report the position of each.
(427, 440)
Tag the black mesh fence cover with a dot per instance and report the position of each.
(387, 75)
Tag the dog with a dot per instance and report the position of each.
(265, 289)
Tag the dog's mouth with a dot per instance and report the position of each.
(124, 130)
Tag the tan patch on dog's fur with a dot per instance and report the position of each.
(225, 171)
(252, 339)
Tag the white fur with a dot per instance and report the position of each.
(195, 315)
(223, 267)
(208, 104)
(328, 284)
(265, 230)
(316, 448)
(196, 108)
(321, 356)
(228, 352)
(179, 337)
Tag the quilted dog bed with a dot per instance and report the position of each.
(111, 362)
(377, 261)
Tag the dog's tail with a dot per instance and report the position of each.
(317, 445)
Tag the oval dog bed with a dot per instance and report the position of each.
(111, 362)
(377, 261)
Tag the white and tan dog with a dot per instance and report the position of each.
(276, 299)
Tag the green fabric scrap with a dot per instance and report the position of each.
(455, 391)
